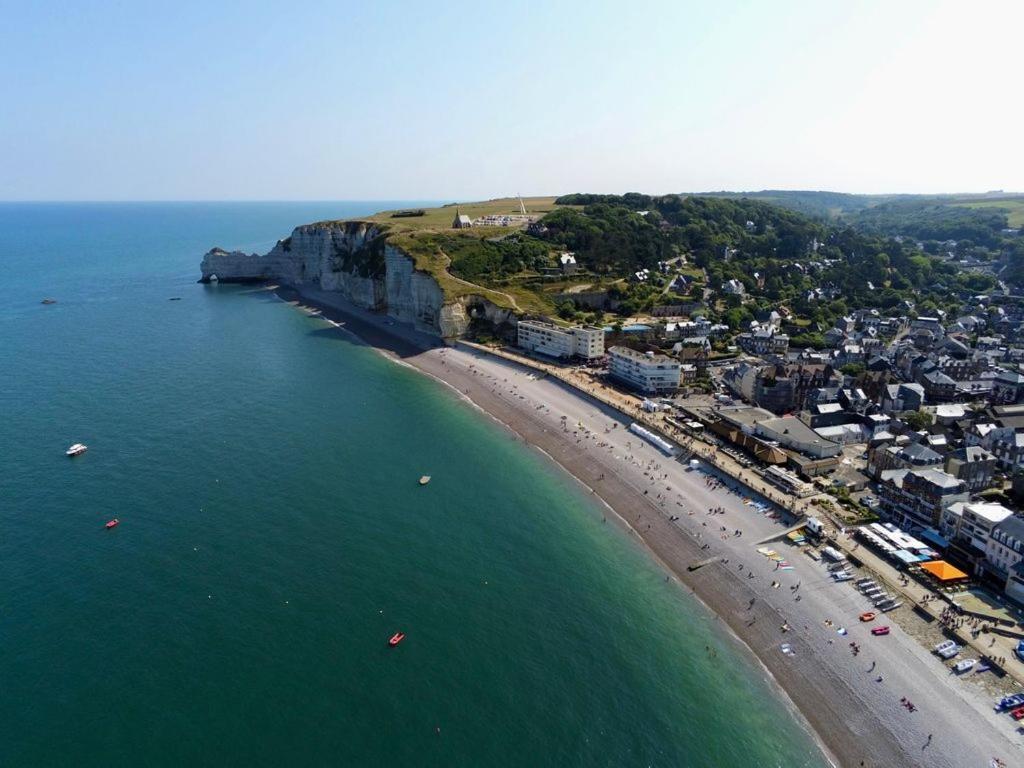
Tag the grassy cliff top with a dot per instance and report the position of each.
(425, 238)
(441, 218)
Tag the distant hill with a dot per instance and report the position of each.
(887, 214)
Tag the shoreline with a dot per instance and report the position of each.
(840, 712)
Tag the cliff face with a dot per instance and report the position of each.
(354, 260)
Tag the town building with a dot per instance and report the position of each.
(763, 341)
(568, 264)
(915, 499)
(968, 528)
(561, 342)
(645, 372)
(1005, 550)
(910, 456)
(787, 431)
(972, 464)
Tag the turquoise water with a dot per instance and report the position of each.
(273, 536)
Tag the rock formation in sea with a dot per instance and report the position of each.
(355, 260)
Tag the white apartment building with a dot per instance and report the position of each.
(973, 523)
(648, 372)
(1005, 547)
(556, 341)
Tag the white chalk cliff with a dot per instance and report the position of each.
(354, 260)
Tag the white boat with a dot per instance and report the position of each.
(964, 665)
(76, 450)
(425, 479)
(947, 650)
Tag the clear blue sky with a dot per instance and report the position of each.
(411, 100)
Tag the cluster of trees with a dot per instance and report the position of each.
(924, 221)
(610, 237)
(476, 260)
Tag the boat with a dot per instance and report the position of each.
(396, 639)
(49, 301)
(947, 650)
(868, 616)
(76, 450)
(1019, 650)
(1010, 702)
(964, 665)
(878, 631)
(112, 523)
(425, 479)
(1018, 714)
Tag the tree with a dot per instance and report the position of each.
(853, 369)
(917, 420)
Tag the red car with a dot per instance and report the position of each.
(1018, 714)
(880, 631)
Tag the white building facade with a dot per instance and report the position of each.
(555, 341)
(648, 372)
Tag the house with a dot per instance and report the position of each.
(938, 387)
(1007, 387)
(780, 388)
(931, 324)
(734, 287)
(567, 262)
(972, 464)
(764, 341)
(910, 456)
(897, 398)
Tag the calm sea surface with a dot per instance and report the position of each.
(273, 536)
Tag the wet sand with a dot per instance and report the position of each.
(856, 716)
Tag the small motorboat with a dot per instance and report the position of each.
(879, 631)
(425, 479)
(868, 616)
(49, 301)
(76, 450)
(1009, 702)
(112, 523)
(964, 665)
(396, 639)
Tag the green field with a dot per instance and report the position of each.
(1014, 207)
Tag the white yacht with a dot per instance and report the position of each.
(76, 449)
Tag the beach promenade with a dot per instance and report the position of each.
(851, 701)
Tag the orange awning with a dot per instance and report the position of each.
(943, 571)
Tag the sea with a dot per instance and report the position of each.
(264, 468)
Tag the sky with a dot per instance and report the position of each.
(136, 100)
